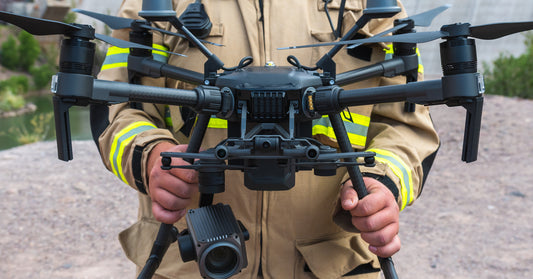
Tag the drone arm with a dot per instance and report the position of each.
(153, 68)
(425, 92)
(388, 68)
(203, 98)
(453, 90)
(357, 180)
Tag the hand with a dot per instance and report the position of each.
(377, 216)
(171, 190)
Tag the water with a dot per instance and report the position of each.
(79, 122)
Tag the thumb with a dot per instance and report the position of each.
(349, 197)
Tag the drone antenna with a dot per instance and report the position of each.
(338, 31)
(375, 9)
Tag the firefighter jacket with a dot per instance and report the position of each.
(292, 233)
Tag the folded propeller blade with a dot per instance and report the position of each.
(498, 30)
(418, 38)
(115, 22)
(37, 26)
(424, 19)
(126, 44)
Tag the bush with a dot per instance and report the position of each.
(11, 91)
(511, 76)
(29, 50)
(18, 84)
(10, 54)
(9, 100)
(42, 75)
(39, 126)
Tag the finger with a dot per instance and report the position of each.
(381, 237)
(376, 221)
(379, 197)
(171, 183)
(388, 250)
(165, 216)
(348, 196)
(169, 201)
(177, 187)
(187, 175)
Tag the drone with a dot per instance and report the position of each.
(269, 109)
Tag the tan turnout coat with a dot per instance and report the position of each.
(288, 229)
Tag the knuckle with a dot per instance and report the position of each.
(369, 224)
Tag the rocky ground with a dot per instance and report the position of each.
(61, 220)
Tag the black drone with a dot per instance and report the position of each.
(269, 109)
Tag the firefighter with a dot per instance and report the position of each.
(296, 233)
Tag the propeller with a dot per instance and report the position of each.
(38, 26)
(115, 22)
(484, 32)
(125, 44)
(423, 19)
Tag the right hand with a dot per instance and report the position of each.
(171, 190)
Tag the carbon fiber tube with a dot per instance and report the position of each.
(357, 179)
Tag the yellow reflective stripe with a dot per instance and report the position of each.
(121, 141)
(356, 118)
(390, 52)
(217, 123)
(329, 132)
(420, 65)
(401, 170)
(168, 117)
(114, 65)
(356, 127)
(112, 50)
(117, 57)
(161, 47)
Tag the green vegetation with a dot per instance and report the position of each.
(9, 53)
(12, 91)
(23, 53)
(39, 126)
(512, 76)
(28, 49)
(42, 75)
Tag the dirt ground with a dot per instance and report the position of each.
(61, 220)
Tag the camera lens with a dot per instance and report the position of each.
(221, 261)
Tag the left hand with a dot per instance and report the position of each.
(377, 216)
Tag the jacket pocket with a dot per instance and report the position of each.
(137, 242)
(335, 255)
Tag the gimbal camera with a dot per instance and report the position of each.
(269, 111)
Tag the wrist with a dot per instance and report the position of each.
(154, 157)
(385, 180)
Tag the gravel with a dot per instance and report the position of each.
(61, 220)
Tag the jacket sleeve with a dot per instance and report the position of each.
(129, 133)
(405, 143)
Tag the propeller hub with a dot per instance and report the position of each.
(456, 30)
(85, 32)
